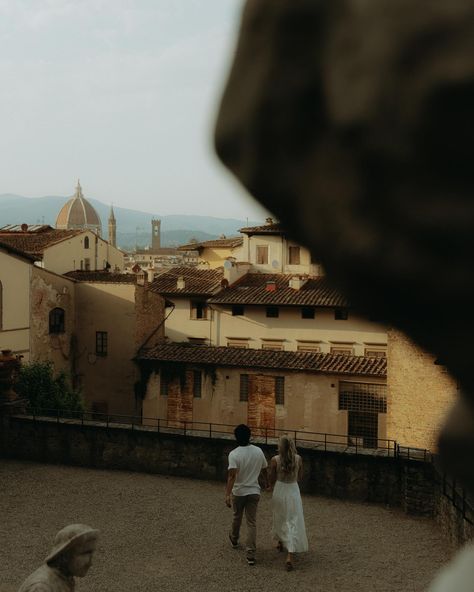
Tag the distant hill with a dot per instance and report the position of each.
(131, 224)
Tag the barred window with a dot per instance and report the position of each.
(197, 382)
(240, 342)
(363, 397)
(375, 353)
(309, 346)
(56, 320)
(244, 387)
(273, 344)
(101, 343)
(279, 390)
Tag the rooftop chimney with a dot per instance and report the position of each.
(270, 286)
(268, 220)
(180, 284)
(297, 282)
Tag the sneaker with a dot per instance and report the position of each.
(234, 543)
(250, 560)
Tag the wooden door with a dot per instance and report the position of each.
(180, 401)
(261, 404)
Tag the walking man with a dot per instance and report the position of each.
(246, 463)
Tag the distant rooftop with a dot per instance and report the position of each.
(270, 227)
(253, 288)
(218, 243)
(34, 239)
(202, 282)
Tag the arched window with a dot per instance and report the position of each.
(56, 320)
(86, 242)
(1, 306)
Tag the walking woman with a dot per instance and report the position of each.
(286, 469)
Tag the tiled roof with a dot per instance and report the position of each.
(105, 277)
(273, 228)
(252, 289)
(219, 243)
(258, 358)
(34, 243)
(14, 251)
(203, 282)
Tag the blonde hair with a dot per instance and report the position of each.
(287, 452)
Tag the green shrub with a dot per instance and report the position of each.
(44, 390)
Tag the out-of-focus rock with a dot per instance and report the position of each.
(353, 122)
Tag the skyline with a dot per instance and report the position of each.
(122, 95)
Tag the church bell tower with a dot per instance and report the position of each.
(112, 228)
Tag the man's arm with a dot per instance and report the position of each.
(231, 475)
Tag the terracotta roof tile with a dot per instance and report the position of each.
(252, 289)
(219, 243)
(105, 277)
(14, 251)
(258, 358)
(34, 243)
(273, 228)
(203, 282)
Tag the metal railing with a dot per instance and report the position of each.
(324, 441)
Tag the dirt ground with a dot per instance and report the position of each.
(170, 534)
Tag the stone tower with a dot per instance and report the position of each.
(112, 228)
(155, 234)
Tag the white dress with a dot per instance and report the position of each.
(288, 518)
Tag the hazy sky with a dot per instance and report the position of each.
(121, 93)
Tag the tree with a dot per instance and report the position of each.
(46, 391)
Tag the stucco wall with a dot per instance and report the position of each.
(49, 291)
(15, 323)
(419, 393)
(290, 327)
(179, 325)
(107, 379)
(311, 401)
(68, 255)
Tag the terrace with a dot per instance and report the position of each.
(169, 533)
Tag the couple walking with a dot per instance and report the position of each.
(247, 464)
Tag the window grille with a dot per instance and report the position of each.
(273, 345)
(279, 390)
(240, 343)
(101, 343)
(309, 347)
(363, 397)
(56, 320)
(197, 384)
(342, 351)
(244, 387)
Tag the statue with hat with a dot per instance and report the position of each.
(70, 557)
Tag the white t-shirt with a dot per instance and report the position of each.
(249, 461)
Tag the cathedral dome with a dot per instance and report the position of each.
(78, 213)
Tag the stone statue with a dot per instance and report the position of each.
(70, 557)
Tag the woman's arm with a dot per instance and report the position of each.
(300, 468)
(272, 473)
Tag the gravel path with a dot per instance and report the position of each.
(170, 534)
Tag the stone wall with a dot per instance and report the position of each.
(420, 393)
(411, 485)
